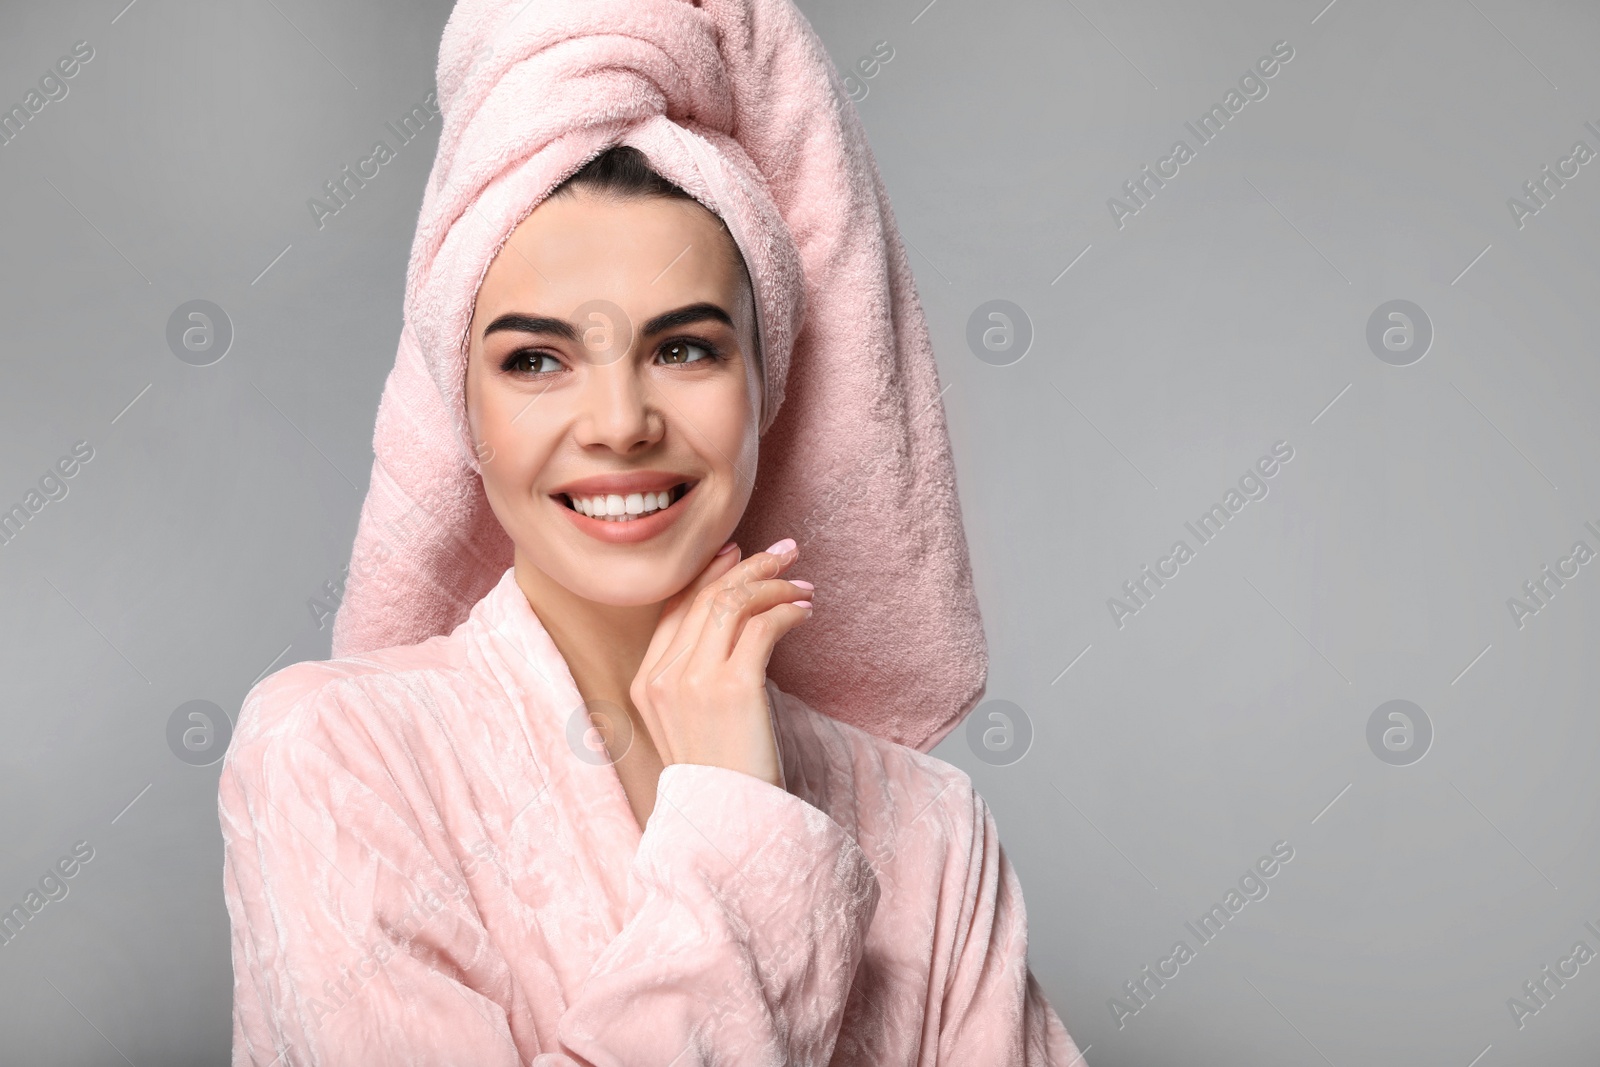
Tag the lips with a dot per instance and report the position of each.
(624, 508)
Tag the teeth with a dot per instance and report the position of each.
(613, 507)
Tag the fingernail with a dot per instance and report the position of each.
(729, 547)
(782, 548)
(801, 604)
(802, 584)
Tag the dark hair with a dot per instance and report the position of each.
(621, 171)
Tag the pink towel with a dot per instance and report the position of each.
(737, 102)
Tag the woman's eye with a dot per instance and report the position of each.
(685, 352)
(531, 363)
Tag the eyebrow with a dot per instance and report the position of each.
(522, 323)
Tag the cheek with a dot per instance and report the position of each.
(507, 466)
(510, 445)
(724, 430)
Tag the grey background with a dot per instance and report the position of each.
(1230, 313)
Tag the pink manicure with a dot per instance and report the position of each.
(729, 547)
(802, 584)
(782, 548)
(802, 604)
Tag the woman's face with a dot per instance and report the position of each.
(613, 395)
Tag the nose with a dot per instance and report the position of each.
(617, 412)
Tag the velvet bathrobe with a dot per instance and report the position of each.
(429, 862)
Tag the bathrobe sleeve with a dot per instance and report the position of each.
(994, 1011)
(350, 939)
(747, 912)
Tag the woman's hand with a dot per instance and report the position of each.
(701, 689)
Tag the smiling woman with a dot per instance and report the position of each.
(564, 663)
(680, 395)
(623, 458)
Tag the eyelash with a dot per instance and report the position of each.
(712, 354)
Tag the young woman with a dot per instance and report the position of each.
(584, 827)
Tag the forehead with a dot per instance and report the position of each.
(644, 253)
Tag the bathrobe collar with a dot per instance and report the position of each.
(582, 800)
(589, 809)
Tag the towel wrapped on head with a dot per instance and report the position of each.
(737, 102)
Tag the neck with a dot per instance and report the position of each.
(603, 644)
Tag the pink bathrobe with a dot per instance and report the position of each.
(421, 868)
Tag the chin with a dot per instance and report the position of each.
(624, 577)
(620, 595)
